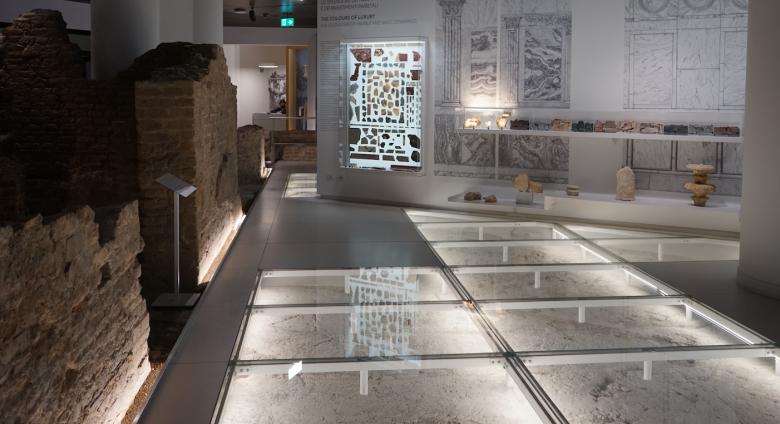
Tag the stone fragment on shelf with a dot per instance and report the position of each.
(701, 172)
(701, 129)
(626, 184)
(651, 128)
(629, 126)
(572, 190)
(491, 198)
(560, 125)
(520, 124)
(676, 129)
(502, 120)
(521, 182)
(472, 123)
(582, 126)
(540, 125)
(472, 196)
(700, 192)
(726, 131)
(536, 187)
(606, 126)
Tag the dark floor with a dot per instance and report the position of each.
(306, 233)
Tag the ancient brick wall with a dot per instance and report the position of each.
(252, 141)
(74, 138)
(186, 114)
(73, 325)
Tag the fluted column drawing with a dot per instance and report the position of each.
(452, 10)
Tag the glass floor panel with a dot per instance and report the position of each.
(613, 327)
(517, 253)
(418, 216)
(301, 186)
(504, 283)
(361, 331)
(426, 392)
(671, 250)
(369, 285)
(489, 231)
(597, 232)
(711, 391)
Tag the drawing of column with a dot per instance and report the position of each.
(513, 28)
(452, 10)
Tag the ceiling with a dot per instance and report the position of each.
(269, 12)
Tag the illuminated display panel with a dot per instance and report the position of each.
(385, 83)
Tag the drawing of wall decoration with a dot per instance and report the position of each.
(385, 105)
(685, 54)
(277, 88)
(661, 165)
(505, 54)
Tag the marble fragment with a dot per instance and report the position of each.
(726, 131)
(626, 184)
(700, 129)
(472, 196)
(651, 128)
(582, 126)
(674, 129)
(520, 124)
(560, 125)
(540, 125)
(629, 126)
(606, 126)
(491, 198)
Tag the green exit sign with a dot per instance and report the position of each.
(287, 22)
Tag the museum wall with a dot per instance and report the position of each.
(75, 320)
(252, 84)
(592, 68)
(186, 115)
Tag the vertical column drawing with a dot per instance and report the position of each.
(452, 10)
(512, 25)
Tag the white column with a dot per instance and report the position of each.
(122, 30)
(176, 18)
(759, 267)
(207, 22)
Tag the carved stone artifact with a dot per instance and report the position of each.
(676, 129)
(521, 182)
(629, 126)
(491, 198)
(700, 187)
(582, 126)
(572, 190)
(651, 128)
(626, 184)
(472, 123)
(606, 126)
(560, 125)
(520, 124)
(472, 196)
(726, 131)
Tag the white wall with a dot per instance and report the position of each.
(252, 84)
(597, 85)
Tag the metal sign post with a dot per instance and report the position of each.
(180, 188)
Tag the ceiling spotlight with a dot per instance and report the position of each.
(239, 11)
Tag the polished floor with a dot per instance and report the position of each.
(335, 312)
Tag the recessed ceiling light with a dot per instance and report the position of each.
(267, 66)
(240, 11)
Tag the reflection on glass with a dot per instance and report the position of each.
(363, 286)
(594, 232)
(714, 391)
(670, 250)
(409, 392)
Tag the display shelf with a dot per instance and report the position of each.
(601, 135)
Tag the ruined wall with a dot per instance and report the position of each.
(302, 147)
(73, 325)
(186, 114)
(252, 141)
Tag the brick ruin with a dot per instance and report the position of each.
(254, 143)
(73, 323)
(73, 326)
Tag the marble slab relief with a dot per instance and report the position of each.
(685, 54)
(545, 159)
(484, 57)
(543, 63)
(462, 155)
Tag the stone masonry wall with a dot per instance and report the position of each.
(252, 140)
(186, 113)
(74, 138)
(73, 325)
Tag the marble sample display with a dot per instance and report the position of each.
(520, 124)
(726, 131)
(606, 126)
(503, 52)
(385, 106)
(491, 198)
(685, 54)
(560, 125)
(582, 126)
(472, 196)
(676, 129)
(540, 125)
(626, 184)
(700, 187)
(701, 129)
(629, 126)
(572, 190)
(651, 128)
